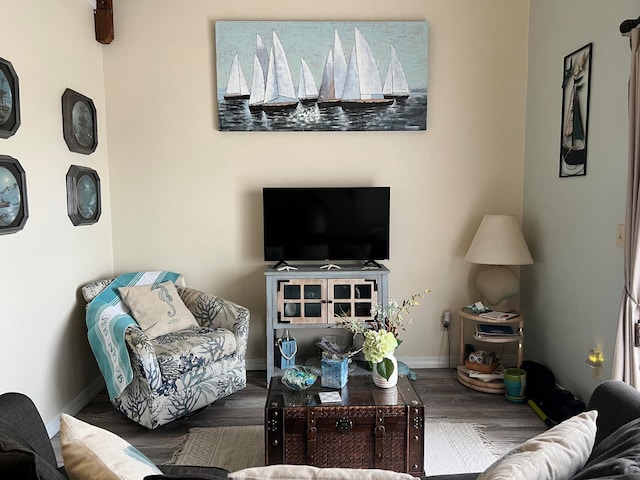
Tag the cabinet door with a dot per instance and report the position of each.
(352, 298)
(302, 301)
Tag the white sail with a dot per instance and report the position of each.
(279, 89)
(263, 56)
(333, 76)
(307, 90)
(362, 84)
(327, 91)
(339, 64)
(236, 84)
(259, 79)
(395, 84)
(256, 99)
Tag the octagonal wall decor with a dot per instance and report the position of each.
(79, 122)
(13, 196)
(84, 204)
(9, 100)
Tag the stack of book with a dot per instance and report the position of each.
(493, 315)
(494, 331)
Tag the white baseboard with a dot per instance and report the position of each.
(77, 404)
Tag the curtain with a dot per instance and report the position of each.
(626, 361)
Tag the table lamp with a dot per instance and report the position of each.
(498, 242)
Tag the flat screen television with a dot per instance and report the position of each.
(326, 223)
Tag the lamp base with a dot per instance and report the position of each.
(497, 284)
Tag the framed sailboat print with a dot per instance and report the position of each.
(313, 76)
(576, 79)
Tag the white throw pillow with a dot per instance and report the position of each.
(555, 454)
(307, 472)
(157, 308)
(91, 453)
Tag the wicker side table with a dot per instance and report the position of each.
(466, 314)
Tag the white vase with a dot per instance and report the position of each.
(382, 382)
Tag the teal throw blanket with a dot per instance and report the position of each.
(107, 320)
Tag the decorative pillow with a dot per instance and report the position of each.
(92, 453)
(306, 472)
(558, 453)
(158, 308)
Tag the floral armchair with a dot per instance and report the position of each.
(180, 372)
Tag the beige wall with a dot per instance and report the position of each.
(43, 347)
(183, 196)
(188, 197)
(572, 293)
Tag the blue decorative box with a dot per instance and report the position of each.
(285, 354)
(334, 372)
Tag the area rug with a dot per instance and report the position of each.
(456, 448)
(449, 448)
(233, 448)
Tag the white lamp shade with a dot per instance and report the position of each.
(499, 241)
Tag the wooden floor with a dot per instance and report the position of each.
(505, 424)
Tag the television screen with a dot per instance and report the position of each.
(328, 223)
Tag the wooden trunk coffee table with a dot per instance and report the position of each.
(370, 428)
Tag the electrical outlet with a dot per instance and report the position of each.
(446, 321)
(620, 236)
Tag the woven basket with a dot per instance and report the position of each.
(481, 367)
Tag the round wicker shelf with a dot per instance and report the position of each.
(496, 386)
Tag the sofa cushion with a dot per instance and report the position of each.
(18, 460)
(617, 456)
(181, 351)
(558, 453)
(92, 453)
(307, 472)
(158, 308)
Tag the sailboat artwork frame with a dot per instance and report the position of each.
(9, 100)
(576, 86)
(321, 76)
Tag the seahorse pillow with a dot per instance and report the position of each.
(157, 308)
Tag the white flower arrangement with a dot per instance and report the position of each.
(381, 333)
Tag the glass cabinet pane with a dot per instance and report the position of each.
(313, 291)
(292, 292)
(312, 309)
(342, 309)
(291, 309)
(342, 291)
(364, 291)
(363, 309)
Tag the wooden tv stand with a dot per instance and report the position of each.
(313, 298)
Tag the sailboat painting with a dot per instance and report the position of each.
(321, 76)
(575, 112)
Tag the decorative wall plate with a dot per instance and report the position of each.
(13, 195)
(79, 122)
(84, 204)
(9, 100)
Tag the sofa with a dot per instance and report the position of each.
(156, 379)
(26, 452)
